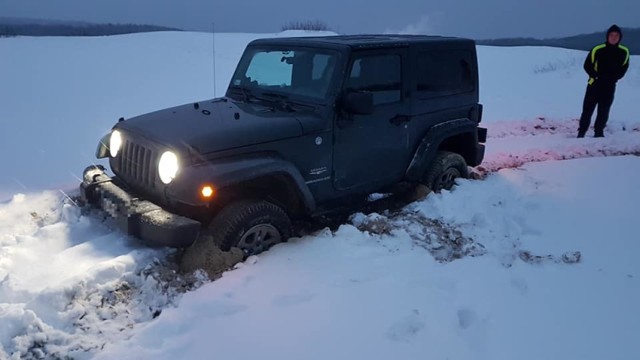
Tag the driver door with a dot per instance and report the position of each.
(371, 150)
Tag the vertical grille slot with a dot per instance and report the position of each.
(133, 161)
(138, 153)
(152, 166)
(146, 164)
(129, 159)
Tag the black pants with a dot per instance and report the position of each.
(600, 94)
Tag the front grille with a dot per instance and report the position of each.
(137, 165)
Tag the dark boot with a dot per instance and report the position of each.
(581, 134)
(599, 134)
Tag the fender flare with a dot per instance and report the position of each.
(431, 141)
(226, 173)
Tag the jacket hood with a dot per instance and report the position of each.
(614, 28)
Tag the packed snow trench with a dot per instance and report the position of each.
(537, 260)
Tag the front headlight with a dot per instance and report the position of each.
(168, 167)
(115, 141)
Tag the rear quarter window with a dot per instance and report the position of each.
(444, 73)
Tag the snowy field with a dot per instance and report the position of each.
(536, 261)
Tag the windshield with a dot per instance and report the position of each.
(288, 71)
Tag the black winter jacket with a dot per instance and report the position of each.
(606, 63)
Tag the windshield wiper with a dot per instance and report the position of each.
(281, 100)
(244, 92)
(276, 100)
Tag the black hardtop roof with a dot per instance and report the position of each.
(360, 41)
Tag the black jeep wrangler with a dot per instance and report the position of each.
(307, 124)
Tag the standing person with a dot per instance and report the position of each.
(605, 64)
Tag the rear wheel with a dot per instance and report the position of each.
(445, 169)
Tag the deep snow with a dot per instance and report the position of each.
(70, 286)
(352, 295)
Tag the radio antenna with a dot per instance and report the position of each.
(213, 35)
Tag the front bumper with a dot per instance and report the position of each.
(140, 218)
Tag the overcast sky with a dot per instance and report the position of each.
(470, 18)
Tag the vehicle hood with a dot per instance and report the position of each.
(214, 125)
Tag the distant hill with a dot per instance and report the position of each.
(631, 39)
(44, 27)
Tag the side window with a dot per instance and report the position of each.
(444, 73)
(380, 75)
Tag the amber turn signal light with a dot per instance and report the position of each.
(207, 191)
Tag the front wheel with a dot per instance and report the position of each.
(444, 170)
(253, 226)
(240, 229)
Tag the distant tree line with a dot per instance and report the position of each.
(311, 25)
(7, 30)
(631, 39)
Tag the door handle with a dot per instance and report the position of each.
(399, 119)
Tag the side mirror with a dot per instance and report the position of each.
(359, 103)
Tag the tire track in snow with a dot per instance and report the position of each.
(543, 126)
(514, 144)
